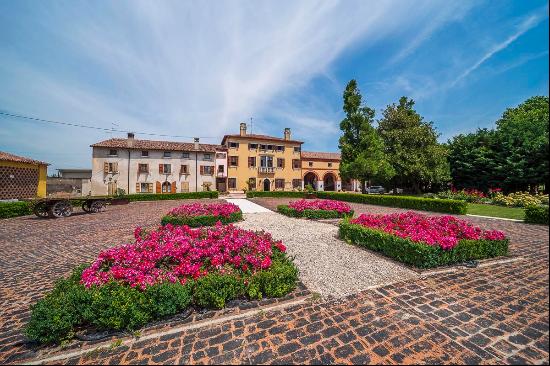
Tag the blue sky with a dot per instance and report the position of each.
(198, 68)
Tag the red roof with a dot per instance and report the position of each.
(321, 155)
(4, 156)
(121, 143)
(260, 137)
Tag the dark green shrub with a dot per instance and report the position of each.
(171, 196)
(14, 209)
(196, 221)
(536, 215)
(214, 290)
(169, 298)
(418, 254)
(312, 214)
(277, 281)
(414, 203)
(293, 194)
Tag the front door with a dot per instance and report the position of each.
(267, 184)
(111, 188)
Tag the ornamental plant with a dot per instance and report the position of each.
(520, 199)
(316, 209)
(442, 231)
(469, 195)
(199, 214)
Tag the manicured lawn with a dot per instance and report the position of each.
(496, 211)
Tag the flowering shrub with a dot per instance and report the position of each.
(469, 195)
(198, 214)
(442, 231)
(423, 241)
(178, 253)
(520, 199)
(316, 209)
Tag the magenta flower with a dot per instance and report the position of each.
(326, 205)
(208, 209)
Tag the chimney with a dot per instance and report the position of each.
(243, 129)
(130, 139)
(196, 143)
(287, 133)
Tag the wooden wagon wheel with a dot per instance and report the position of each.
(61, 209)
(86, 206)
(40, 209)
(97, 206)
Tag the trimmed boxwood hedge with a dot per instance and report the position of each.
(170, 196)
(312, 214)
(536, 215)
(293, 194)
(114, 306)
(14, 209)
(204, 220)
(414, 203)
(418, 254)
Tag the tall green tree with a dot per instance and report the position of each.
(411, 145)
(362, 149)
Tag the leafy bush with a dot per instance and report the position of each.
(469, 195)
(419, 254)
(197, 221)
(519, 199)
(312, 214)
(214, 290)
(536, 215)
(14, 209)
(415, 203)
(294, 194)
(171, 196)
(280, 279)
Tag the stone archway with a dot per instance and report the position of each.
(310, 178)
(329, 182)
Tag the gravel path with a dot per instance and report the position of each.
(327, 264)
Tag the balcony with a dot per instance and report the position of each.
(266, 169)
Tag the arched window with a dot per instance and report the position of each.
(166, 187)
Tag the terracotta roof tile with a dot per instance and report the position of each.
(19, 159)
(260, 137)
(320, 155)
(122, 143)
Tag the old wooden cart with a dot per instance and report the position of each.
(63, 207)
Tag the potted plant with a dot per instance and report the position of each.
(310, 192)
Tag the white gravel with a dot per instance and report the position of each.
(327, 264)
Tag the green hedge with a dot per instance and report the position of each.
(14, 209)
(536, 215)
(170, 196)
(205, 220)
(293, 194)
(312, 214)
(114, 306)
(418, 254)
(414, 203)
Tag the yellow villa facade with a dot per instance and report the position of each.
(263, 163)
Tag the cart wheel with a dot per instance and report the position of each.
(85, 206)
(61, 209)
(40, 209)
(97, 206)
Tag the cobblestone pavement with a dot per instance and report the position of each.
(491, 314)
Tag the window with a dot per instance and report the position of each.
(167, 154)
(295, 163)
(207, 157)
(280, 163)
(270, 147)
(280, 148)
(296, 183)
(113, 152)
(252, 146)
(263, 147)
(143, 168)
(251, 183)
(144, 154)
(310, 163)
(330, 165)
(165, 168)
(206, 169)
(110, 168)
(233, 161)
(297, 149)
(145, 187)
(185, 186)
(221, 168)
(251, 161)
(185, 155)
(233, 145)
(279, 183)
(184, 169)
(166, 187)
(232, 183)
(266, 161)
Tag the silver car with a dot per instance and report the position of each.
(376, 189)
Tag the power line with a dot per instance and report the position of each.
(71, 124)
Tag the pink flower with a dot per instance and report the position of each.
(210, 209)
(326, 205)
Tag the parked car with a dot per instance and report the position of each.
(376, 189)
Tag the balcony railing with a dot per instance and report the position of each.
(266, 169)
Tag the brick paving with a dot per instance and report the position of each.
(492, 314)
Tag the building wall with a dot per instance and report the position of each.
(321, 168)
(22, 180)
(128, 170)
(242, 173)
(74, 186)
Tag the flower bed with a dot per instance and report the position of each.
(316, 209)
(161, 274)
(199, 214)
(424, 241)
